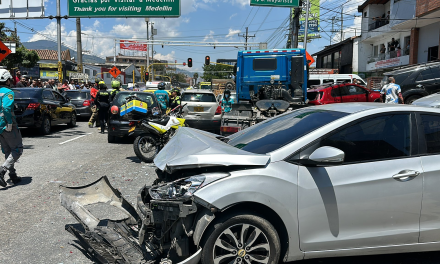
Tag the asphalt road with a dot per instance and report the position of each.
(32, 221)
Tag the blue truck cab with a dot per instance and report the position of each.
(287, 68)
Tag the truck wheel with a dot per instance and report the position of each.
(44, 129)
(230, 86)
(146, 148)
(241, 238)
(412, 98)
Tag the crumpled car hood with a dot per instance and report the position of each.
(192, 148)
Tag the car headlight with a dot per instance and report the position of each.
(183, 189)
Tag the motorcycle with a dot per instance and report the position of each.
(156, 133)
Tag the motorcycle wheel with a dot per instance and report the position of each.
(146, 148)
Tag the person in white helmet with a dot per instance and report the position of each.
(10, 137)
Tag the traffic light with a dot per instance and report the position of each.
(147, 76)
(207, 59)
(190, 62)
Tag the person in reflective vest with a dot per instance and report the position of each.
(175, 98)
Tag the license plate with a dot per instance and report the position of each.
(198, 109)
(131, 129)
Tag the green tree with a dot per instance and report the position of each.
(216, 71)
(22, 56)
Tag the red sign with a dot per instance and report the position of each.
(115, 72)
(4, 51)
(309, 58)
(132, 45)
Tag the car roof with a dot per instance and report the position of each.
(198, 91)
(351, 108)
(82, 90)
(323, 86)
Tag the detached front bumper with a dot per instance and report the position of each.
(159, 231)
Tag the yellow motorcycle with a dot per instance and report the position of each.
(156, 133)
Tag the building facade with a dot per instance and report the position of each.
(384, 44)
(338, 56)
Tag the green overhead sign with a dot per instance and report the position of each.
(124, 8)
(276, 3)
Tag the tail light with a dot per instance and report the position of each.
(132, 124)
(227, 129)
(33, 106)
(87, 103)
(114, 110)
(218, 111)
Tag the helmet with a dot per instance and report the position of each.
(227, 92)
(5, 75)
(116, 84)
(114, 110)
(177, 91)
(97, 80)
(102, 85)
(161, 86)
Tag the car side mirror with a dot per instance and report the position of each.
(327, 156)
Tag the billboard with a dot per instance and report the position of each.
(132, 45)
(313, 25)
(21, 8)
(123, 8)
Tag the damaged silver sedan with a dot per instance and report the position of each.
(334, 180)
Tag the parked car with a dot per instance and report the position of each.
(42, 108)
(432, 100)
(118, 125)
(202, 111)
(319, 79)
(416, 81)
(82, 101)
(341, 93)
(321, 181)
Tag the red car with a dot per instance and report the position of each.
(341, 93)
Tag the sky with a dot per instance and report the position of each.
(200, 20)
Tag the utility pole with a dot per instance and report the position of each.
(148, 49)
(295, 26)
(306, 25)
(152, 52)
(246, 37)
(60, 65)
(333, 29)
(342, 24)
(79, 44)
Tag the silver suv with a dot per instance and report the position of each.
(202, 110)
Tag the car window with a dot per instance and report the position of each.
(313, 82)
(58, 97)
(26, 93)
(199, 97)
(344, 80)
(328, 81)
(431, 130)
(400, 78)
(336, 92)
(377, 138)
(146, 97)
(344, 90)
(355, 90)
(279, 131)
(76, 95)
(48, 95)
(429, 74)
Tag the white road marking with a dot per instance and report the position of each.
(74, 139)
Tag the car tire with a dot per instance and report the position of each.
(45, 127)
(111, 139)
(72, 122)
(229, 86)
(139, 147)
(412, 98)
(228, 231)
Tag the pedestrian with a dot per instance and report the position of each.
(10, 137)
(175, 98)
(227, 102)
(21, 83)
(72, 85)
(103, 103)
(17, 77)
(116, 85)
(94, 118)
(391, 93)
(162, 97)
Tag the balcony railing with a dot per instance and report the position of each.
(380, 22)
(389, 55)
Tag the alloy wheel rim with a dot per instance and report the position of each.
(241, 243)
(146, 145)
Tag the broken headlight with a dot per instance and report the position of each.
(183, 189)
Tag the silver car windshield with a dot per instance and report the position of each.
(280, 131)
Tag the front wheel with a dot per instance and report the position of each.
(72, 122)
(146, 147)
(411, 99)
(242, 238)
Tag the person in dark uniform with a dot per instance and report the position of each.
(103, 104)
(175, 98)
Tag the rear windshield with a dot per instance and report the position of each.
(280, 131)
(76, 95)
(146, 97)
(26, 93)
(269, 64)
(199, 97)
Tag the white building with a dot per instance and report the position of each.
(380, 20)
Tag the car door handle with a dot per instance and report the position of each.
(406, 175)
